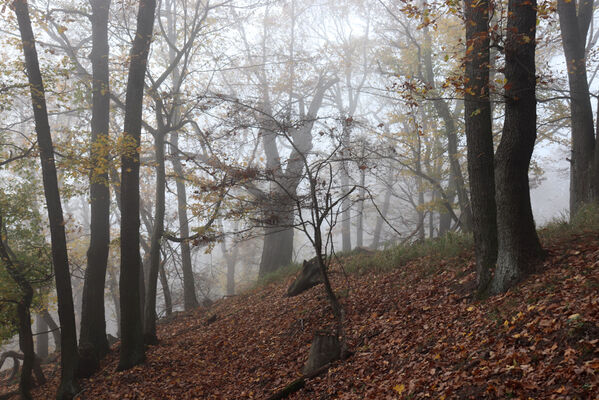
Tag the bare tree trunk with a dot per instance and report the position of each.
(378, 229)
(132, 341)
(189, 292)
(362, 193)
(93, 344)
(168, 299)
(54, 328)
(346, 202)
(518, 243)
(479, 135)
(452, 140)
(66, 312)
(159, 206)
(278, 243)
(574, 29)
(190, 300)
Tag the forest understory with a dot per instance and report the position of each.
(414, 332)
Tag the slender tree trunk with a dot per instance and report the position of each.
(479, 135)
(518, 243)
(132, 341)
(168, 299)
(362, 193)
(574, 30)
(378, 229)
(93, 343)
(157, 232)
(66, 312)
(453, 154)
(189, 291)
(54, 328)
(190, 300)
(346, 202)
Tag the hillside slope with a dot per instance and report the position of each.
(414, 331)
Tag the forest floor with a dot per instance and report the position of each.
(415, 332)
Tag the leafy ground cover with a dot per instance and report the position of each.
(415, 332)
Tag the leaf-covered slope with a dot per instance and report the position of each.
(415, 333)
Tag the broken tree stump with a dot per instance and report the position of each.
(308, 277)
(325, 349)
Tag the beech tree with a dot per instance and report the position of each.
(575, 19)
(479, 135)
(92, 340)
(519, 248)
(66, 312)
(132, 341)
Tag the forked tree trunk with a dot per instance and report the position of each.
(518, 243)
(132, 341)
(66, 312)
(479, 135)
(92, 339)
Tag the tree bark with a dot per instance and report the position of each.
(190, 300)
(168, 299)
(278, 242)
(92, 337)
(157, 232)
(479, 136)
(361, 193)
(346, 202)
(453, 155)
(55, 329)
(574, 28)
(69, 356)
(132, 341)
(518, 244)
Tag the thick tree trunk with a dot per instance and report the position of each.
(189, 292)
(66, 312)
(159, 206)
(132, 341)
(518, 243)
(278, 244)
(41, 337)
(574, 30)
(479, 135)
(92, 339)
